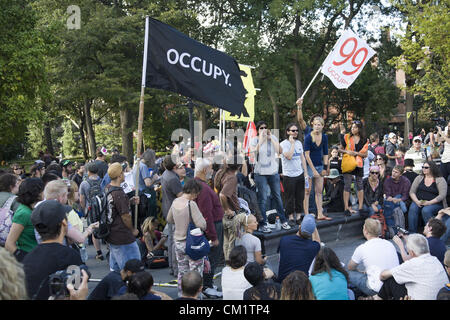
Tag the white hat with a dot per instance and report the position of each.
(417, 138)
(392, 135)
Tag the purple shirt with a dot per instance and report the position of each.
(209, 204)
(393, 188)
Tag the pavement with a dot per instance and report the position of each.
(344, 249)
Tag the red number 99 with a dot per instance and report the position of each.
(351, 54)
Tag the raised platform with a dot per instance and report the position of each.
(341, 227)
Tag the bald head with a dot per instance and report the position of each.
(191, 284)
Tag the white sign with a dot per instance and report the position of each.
(346, 61)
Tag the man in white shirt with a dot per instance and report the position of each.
(420, 278)
(375, 255)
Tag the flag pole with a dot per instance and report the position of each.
(309, 85)
(140, 121)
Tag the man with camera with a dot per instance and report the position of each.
(50, 256)
(433, 231)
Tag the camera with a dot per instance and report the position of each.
(402, 231)
(58, 281)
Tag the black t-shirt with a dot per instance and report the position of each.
(108, 287)
(336, 163)
(43, 261)
(411, 175)
(427, 193)
(120, 234)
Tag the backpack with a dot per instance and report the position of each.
(398, 219)
(6, 215)
(100, 211)
(385, 233)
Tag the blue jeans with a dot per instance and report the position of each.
(389, 207)
(427, 212)
(370, 209)
(266, 186)
(446, 220)
(359, 280)
(120, 254)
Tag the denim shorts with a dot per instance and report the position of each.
(318, 168)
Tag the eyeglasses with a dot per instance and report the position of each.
(293, 130)
(425, 167)
(417, 141)
(374, 172)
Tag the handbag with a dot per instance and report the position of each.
(348, 163)
(197, 246)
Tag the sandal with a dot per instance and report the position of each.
(325, 218)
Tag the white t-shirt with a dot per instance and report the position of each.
(376, 255)
(293, 167)
(234, 284)
(267, 162)
(423, 277)
(251, 243)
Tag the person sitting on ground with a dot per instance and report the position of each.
(428, 194)
(50, 220)
(334, 162)
(296, 286)
(152, 242)
(334, 190)
(298, 251)
(328, 278)
(233, 280)
(375, 255)
(21, 239)
(251, 243)
(141, 285)
(385, 171)
(115, 283)
(433, 230)
(444, 216)
(373, 192)
(263, 287)
(408, 171)
(420, 278)
(12, 278)
(191, 286)
(444, 293)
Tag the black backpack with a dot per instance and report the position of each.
(100, 209)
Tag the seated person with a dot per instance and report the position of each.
(444, 216)
(444, 293)
(251, 243)
(396, 188)
(141, 285)
(191, 285)
(263, 287)
(328, 277)
(420, 278)
(408, 170)
(433, 230)
(296, 286)
(114, 283)
(233, 281)
(373, 191)
(334, 189)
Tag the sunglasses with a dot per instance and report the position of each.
(293, 130)
(417, 141)
(425, 167)
(262, 128)
(374, 172)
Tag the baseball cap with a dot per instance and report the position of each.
(134, 265)
(392, 135)
(48, 214)
(308, 224)
(66, 163)
(417, 138)
(115, 170)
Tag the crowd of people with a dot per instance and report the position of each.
(52, 213)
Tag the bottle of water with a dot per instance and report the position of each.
(307, 183)
(277, 224)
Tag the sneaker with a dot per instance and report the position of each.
(285, 226)
(265, 229)
(291, 222)
(212, 293)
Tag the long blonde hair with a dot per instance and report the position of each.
(322, 122)
(147, 227)
(12, 278)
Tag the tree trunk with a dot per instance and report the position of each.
(48, 137)
(89, 127)
(409, 123)
(276, 114)
(126, 132)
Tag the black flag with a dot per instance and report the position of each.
(180, 64)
